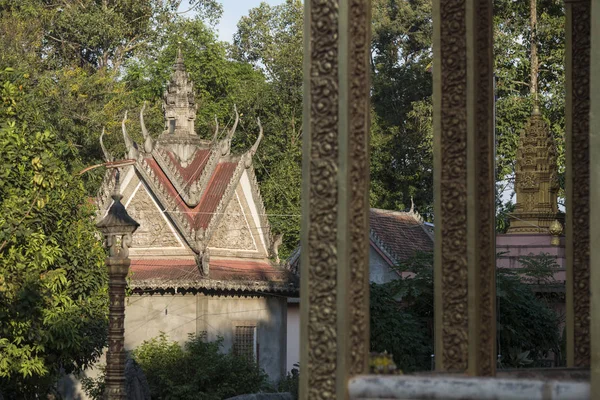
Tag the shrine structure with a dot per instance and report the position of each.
(201, 258)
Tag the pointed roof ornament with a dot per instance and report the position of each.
(226, 143)
(130, 145)
(536, 105)
(412, 205)
(179, 66)
(148, 142)
(107, 156)
(179, 103)
(254, 148)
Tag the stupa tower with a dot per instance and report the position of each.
(536, 172)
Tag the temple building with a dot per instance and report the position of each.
(201, 258)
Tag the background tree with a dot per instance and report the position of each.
(53, 293)
(270, 39)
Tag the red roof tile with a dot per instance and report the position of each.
(200, 215)
(214, 192)
(165, 270)
(401, 234)
(254, 270)
(184, 273)
(195, 168)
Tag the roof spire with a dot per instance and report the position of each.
(179, 103)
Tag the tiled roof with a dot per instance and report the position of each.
(194, 168)
(397, 234)
(214, 192)
(400, 234)
(200, 215)
(234, 275)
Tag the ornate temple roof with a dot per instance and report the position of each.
(191, 188)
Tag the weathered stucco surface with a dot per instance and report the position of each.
(180, 315)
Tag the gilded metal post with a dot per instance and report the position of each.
(334, 259)
(578, 181)
(117, 228)
(595, 198)
(464, 187)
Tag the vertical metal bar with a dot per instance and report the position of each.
(578, 181)
(334, 259)
(595, 198)
(464, 273)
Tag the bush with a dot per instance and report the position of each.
(290, 382)
(197, 371)
(402, 314)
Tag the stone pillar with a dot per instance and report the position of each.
(334, 259)
(464, 276)
(595, 198)
(578, 181)
(115, 356)
(117, 227)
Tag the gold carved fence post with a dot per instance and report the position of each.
(578, 181)
(335, 209)
(465, 322)
(595, 198)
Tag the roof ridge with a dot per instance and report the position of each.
(380, 243)
(413, 213)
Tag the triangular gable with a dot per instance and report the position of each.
(155, 230)
(234, 231)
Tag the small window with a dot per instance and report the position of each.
(244, 342)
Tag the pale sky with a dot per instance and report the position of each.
(233, 10)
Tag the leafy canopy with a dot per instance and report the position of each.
(53, 294)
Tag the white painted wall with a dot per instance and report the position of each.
(293, 334)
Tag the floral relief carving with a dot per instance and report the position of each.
(580, 159)
(233, 231)
(486, 190)
(322, 232)
(359, 166)
(154, 231)
(453, 185)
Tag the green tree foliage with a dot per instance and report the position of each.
(270, 39)
(401, 162)
(512, 41)
(402, 314)
(197, 370)
(100, 34)
(53, 295)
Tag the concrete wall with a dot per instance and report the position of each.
(180, 315)
(293, 330)
(515, 246)
(379, 269)
(147, 316)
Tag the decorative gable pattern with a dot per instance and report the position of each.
(154, 230)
